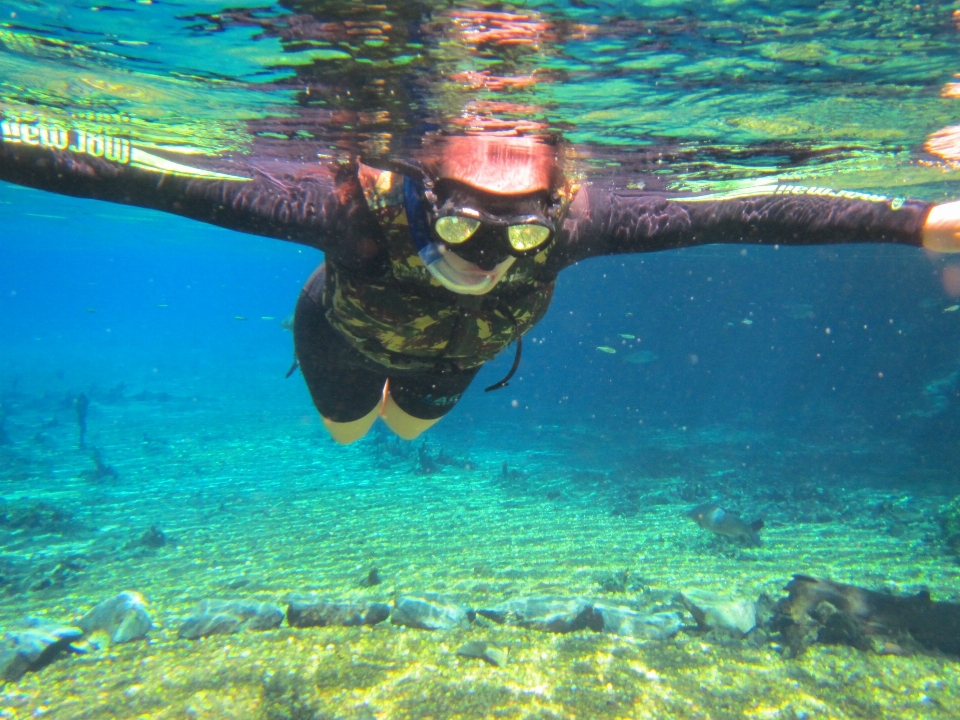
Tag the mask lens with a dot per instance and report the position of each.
(455, 229)
(527, 237)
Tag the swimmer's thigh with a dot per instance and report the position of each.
(345, 386)
(430, 395)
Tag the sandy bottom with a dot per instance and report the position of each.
(259, 505)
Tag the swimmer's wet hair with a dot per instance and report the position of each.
(495, 164)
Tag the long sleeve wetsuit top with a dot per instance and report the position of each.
(378, 293)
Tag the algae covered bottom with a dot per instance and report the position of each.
(293, 515)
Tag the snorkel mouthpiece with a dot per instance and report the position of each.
(449, 269)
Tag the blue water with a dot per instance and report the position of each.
(101, 294)
(818, 387)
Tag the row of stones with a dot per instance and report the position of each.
(124, 618)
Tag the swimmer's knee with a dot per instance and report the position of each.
(349, 432)
(401, 422)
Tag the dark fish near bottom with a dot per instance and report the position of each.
(714, 518)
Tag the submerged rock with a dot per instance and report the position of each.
(643, 626)
(429, 612)
(480, 650)
(323, 613)
(205, 624)
(222, 617)
(547, 614)
(123, 618)
(564, 615)
(34, 647)
(712, 611)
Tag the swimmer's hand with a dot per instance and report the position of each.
(941, 231)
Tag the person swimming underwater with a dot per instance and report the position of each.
(434, 266)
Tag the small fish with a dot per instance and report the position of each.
(239, 317)
(714, 518)
(628, 336)
(91, 310)
(161, 305)
(266, 317)
(604, 348)
(747, 321)
(952, 308)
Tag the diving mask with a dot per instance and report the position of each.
(529, 220)
(449, 269)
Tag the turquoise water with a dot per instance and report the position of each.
(731, 388)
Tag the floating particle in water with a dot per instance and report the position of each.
(747, 321)
(604, 348)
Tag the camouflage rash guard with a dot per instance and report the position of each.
(408, 320)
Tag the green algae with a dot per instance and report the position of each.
(444, 700)
(288, 696)
(949, 520)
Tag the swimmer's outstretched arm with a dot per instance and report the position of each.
(609, 221)
(298, 199)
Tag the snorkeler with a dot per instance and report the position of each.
(435, 265)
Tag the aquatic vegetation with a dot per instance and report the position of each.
(618, 582)
(949, 520)
(289, 696)
(81, 405)
(38, 518)
(101, 471)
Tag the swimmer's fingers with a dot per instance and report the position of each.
(941, 231)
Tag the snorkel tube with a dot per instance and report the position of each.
(449, 269)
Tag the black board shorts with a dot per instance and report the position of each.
(346, 385)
